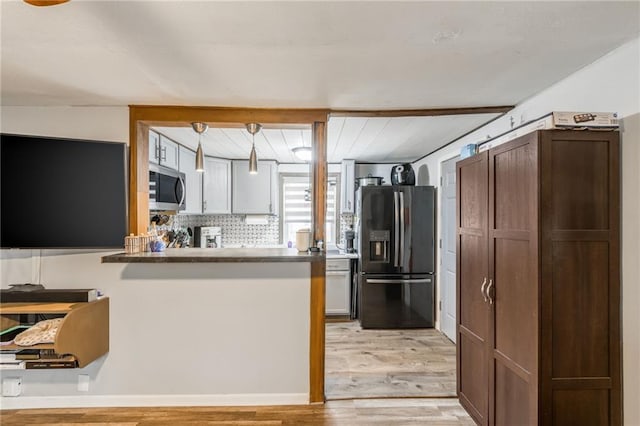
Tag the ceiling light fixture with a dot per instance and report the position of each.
(45, 2)
(253, 128)
(302, 153)
(199, 128)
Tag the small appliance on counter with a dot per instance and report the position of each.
(349, 237)
(303, 239)
(207, 237)
(402, 174)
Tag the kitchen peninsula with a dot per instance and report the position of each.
(199, 255)
(227, 326)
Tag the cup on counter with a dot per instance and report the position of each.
(303, 239)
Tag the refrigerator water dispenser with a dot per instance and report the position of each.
(379, 246)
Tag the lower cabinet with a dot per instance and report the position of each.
(338, 287)
(538, 243)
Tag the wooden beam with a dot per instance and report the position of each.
(317, 303)
(138, 175)
(317, 333)
(421, 112)
(183, 115)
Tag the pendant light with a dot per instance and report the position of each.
(199, 128)
(253, 128)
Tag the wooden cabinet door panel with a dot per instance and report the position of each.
(472, 268)
(513, 294)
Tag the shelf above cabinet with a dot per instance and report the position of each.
(84, 332)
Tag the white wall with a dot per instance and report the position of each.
(609, 84)
(181, 334)
(100, 123)
(184, 334)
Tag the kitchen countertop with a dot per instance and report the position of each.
(200, 255)
(339, 254)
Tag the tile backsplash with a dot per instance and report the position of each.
(234, 230)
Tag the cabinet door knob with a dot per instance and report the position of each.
(484, 283)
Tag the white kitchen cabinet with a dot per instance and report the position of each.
(187, 165)
(163, 151)
(338, 287)
(258, 193)
(216, 186)
(347, 186)
(154, 147)
(169, 153)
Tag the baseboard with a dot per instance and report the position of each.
(28, 402)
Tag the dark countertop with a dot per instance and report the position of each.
(222, 255)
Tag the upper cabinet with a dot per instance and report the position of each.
(216, 186)
(154, 147)
(257, 193)
(347, 186)
(187, 165)
(163, 151)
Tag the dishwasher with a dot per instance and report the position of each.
(338, 287)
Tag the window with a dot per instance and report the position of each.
(296, 207)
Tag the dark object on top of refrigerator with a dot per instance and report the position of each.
(403, 174)
(395, 240)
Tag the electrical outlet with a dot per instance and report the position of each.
(11, 386)
(83, 383)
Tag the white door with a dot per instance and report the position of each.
(448, 250)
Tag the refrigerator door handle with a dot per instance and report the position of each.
(396, 225)
(401, 262)
(398, 281)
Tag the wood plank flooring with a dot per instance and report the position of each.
(436, 412)
(388, 363)
(363, 367)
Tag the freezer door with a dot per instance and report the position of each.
(404, 301)
(378, 229)
(417, 229)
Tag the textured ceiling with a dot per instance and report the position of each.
(339, 55)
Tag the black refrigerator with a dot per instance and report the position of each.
(395, 238)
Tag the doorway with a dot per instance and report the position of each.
(448, 248)
(401, 363)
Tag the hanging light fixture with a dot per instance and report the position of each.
(199, 128)
(302, 153)
(253, 128)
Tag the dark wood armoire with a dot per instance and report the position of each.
(538, 280)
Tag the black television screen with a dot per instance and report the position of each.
(62, 193)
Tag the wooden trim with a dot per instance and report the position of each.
(138, 175)
(173, 115)
(141, 117)
(429, 112)
(317, 331)
(319, 176)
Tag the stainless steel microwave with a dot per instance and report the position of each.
(167, 188)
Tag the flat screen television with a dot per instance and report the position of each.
(62, 193)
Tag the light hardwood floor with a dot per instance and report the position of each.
(362, 366)
(388, 363)
(431, 412)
